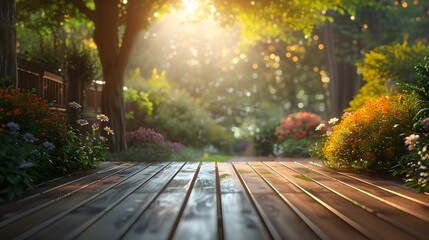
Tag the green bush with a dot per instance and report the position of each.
(414, 165)
(386, 66)
(264, 140)
(180, 118)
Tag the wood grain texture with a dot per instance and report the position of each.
(199, 217)
(83, 214)
(52, 193)
(322, 217)
(115, 220)
(158, 219)
(35, 220)
(240, 220)
(241, 200)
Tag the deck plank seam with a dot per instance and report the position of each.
(260, 212)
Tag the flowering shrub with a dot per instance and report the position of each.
(370, 137)
(144, 136)
(85, 149)
(33, 115)
(36, 142)
(296, 133)
(177, 147)
(299, 125)
(417, 161)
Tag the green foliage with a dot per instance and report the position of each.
(181, 119)
(291, 147)
(386, 66)
(421, 87)
(415, 164)
(14, 180)
(261, 20)
(83, 150)
(81, 64)
(372, 136)
(142, 95)
(264, 140)
(140, 99)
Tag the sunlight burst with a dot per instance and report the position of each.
(190, 6)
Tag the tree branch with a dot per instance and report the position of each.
(79, 4)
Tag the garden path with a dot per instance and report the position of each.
(243, 199)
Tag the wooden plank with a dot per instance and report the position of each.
(158, 219)
(264, 199)
(288, 224)
(199, 219)
(12, 212)
(34, 222)
(240, 220)
(114, 221)
(85, 213)
(326, 220)
(392, 220)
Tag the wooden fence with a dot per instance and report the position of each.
(53, 88)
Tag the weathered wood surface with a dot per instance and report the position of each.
(235, 200)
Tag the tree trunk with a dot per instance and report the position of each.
(112, 104)
(344, 82)
(334, 89)
(114, 56)
(8, 41)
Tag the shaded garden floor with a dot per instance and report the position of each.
(246, 198)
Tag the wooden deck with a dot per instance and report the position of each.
(239, 200)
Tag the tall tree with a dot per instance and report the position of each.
(8, 40)
(114, 52)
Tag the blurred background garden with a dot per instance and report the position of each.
(206, 81)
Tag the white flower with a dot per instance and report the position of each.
(333, 120)
(410, 140)
(102, 117)
(74, 105)
(320, 126)
(82, 122)
(108, 130)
